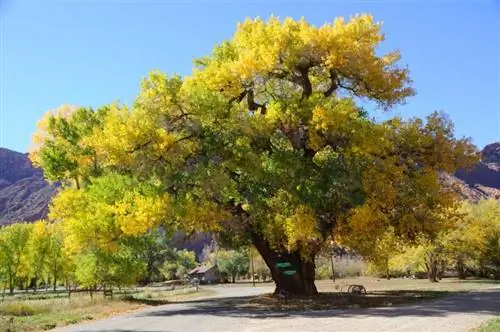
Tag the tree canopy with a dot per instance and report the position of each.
(265, 141)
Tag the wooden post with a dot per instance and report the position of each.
(333, 269)
(251, 264)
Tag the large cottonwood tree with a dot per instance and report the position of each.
(266, 141)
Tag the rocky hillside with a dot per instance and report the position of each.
(484, 180)
(24, 194)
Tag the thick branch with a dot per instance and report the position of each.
(139, 146)
(252, 105)
(305, 82)
(333, 84)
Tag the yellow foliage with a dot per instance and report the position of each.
(137, 215)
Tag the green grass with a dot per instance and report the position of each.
(39, 312)
(491, 326)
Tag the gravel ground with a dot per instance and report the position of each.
(460, 312)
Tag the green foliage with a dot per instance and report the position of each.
(233, 263)
(13, 248)
(180, 264)
(154, 249)
(491, 326)
(61, 145)
(470, 243)
(263, 142)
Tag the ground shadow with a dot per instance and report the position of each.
(150, 302)
(480, 302)
(121, 330)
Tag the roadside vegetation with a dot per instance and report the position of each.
(491, 326)
(47, 310)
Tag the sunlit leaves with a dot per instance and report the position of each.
(261, 50)
(264, 138)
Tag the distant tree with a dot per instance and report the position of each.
(233, 263)
(479, 239)
(13, 248)
(260, 267)
(37, 252)
(154, 249)
(380, 252)
(61, 146)
(55, 257)
(179, 266)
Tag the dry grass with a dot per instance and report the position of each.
(377, 284)
(44, 312)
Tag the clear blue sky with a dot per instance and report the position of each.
(95, 52)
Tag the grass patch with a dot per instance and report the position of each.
(491, 326)
(40, 312)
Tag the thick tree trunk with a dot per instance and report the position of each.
(300, 278)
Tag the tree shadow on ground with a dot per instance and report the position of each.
(122, 330)
(481, 281)
(387, 304)
(150, 302)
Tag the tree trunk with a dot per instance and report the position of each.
(460, 266)
(432, 267)
(387, 272)
(300, 278)
(11, 285)
(233, 278)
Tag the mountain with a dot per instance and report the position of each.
(483, 181)
(24, 194)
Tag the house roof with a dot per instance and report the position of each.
(200, 269)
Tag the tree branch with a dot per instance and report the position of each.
(252, 105)
(333, 84)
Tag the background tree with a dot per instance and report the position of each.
(61, 146)
(55, 257)
(233, 263)
(154, 250)
(385, 247)
(183, 261)
(260, 268)
(37, 252)
(13, 240)
(483, 234)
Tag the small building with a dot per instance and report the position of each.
(206, 274)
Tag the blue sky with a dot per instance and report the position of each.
(94, 52)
